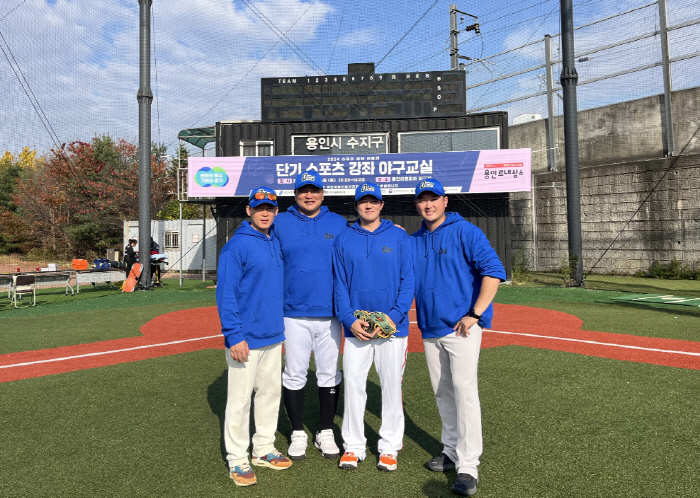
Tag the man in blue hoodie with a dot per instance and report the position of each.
(457, 276)
(306, 233)
(373, 271)
(249, 301)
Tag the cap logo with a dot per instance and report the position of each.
(426, 184)
(262, 191)
(367, 188)
(308, 177)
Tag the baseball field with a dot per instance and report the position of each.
(111, 394)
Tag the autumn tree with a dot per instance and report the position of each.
(77, 200)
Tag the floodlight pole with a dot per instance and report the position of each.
(145, 98)
(569, 79)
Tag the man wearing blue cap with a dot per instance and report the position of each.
(306, 233)
(249, 301)
(373, 266)
(457, 276)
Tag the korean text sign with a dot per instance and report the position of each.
(506, 170)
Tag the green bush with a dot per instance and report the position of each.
(674, 270)
(521, 267)
(568, 270)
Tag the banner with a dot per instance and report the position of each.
(505, 170)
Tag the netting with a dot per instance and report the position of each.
(69, 73)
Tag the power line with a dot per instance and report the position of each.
(12, 10)
(340, 25)
(407, 32)
(27, 90)
(247, 73)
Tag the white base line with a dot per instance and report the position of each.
(100, 353)
(596, 343)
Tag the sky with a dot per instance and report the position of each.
(69, 69)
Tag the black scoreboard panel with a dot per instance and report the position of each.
(363, 96)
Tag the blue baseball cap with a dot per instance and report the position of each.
(429, 185)
(368, 188)
(262, 195)
(308, 178)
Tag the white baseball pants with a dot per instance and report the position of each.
(389, 356)
(453, 363)
(260, 374)
(304, 335)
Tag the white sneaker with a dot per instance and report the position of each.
(297, 450)
(325, 441)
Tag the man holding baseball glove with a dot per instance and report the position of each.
(373, 287)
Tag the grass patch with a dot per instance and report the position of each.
(53, 301)
(555, 424)
(82, 327)
(600, 313)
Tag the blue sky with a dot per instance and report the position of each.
(80, 57)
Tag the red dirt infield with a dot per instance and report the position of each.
(196, 329)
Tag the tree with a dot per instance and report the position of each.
(76, 201)
(13, 169)
(171, 211)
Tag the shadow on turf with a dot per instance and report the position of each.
(216, 397)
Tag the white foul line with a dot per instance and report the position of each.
(596, 343)
(100, 353)
(109, 352)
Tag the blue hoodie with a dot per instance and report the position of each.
(373, 271)
(449, 264)
(249, 288)
(307, 245)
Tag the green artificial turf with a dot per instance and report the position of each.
(85, 326)
(555, 424)
(600, 312)
(50, 301)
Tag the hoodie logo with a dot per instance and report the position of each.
(387, 249)
(426, 184)
(329, 235)
(443, 250)
(308, 177)
(367, 188)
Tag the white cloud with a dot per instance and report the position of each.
(81, 59)
(358, 38)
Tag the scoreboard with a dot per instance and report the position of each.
(363, 96)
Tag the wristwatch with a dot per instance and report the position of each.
(473, 314)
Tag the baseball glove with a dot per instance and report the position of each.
(377, 320)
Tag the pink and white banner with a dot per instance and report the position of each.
(505, 170)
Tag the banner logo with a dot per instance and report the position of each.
(211, 177)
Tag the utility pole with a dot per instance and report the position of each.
(454, 45)
(145, 98)
(569, 79)
(551, 157)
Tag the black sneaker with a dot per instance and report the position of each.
(464, 485)
(441, 463)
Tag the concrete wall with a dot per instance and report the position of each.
(613, 208)
(618, 133)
